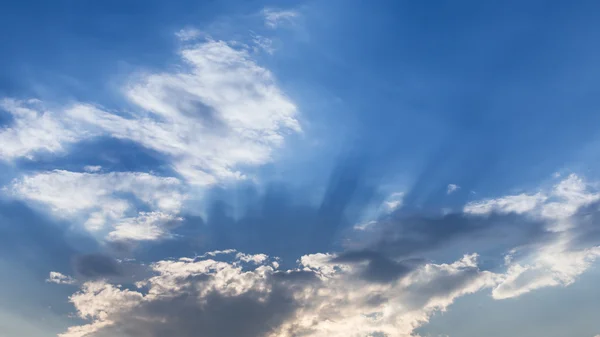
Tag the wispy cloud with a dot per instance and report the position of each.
(452, 188)
(276, 17)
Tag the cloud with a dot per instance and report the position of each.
(100, 199)
(147, 226)
(218, 111)
(319, 298)
(394, 201)
(34, 129)
(223, 111)
(547, 238)
(58, 278)
(188, 34)
(452, 188)
(561, 202)
(274, 17)
(92, 168)
(263, 43)
(96, 266)
(557, 260)
(518, 204)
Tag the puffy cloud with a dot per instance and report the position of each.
(322, 297)
(58, 278)
(99, 199)
(220, 110)
(35, 129)
(146, 226)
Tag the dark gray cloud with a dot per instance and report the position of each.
(217, 316)
(92, 266)
(402, 236)
(379, 268)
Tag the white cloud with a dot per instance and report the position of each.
(555, 261)
(518, 204)
(219, 111)
(58, 278)
(274, 17)
(452, 188)
(365, 225)
(561, 202)
(98, 198)
(263, 43)
(92, 169)
(223, 111)
(269, 302)
(253, 258)
(393, 202)
(34, 129)
(188, 34)
(147, 226)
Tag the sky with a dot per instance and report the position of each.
(299, 168)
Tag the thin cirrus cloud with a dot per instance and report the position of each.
(275, 17)
(452, 188)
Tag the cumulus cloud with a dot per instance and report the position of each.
(321, 297)
(220, 110)
(100, 199)
(147, 226)
(34, 129)
(217, 111)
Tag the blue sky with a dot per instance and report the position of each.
(299, 168)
